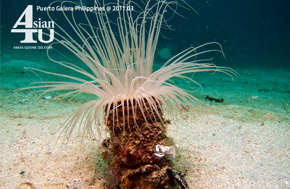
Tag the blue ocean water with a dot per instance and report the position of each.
(253, 35)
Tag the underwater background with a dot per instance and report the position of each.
(252, 33)
(241, 142)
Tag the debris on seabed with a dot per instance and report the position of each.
(162, 150)
(47, 97)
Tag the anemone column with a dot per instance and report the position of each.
(135, 130)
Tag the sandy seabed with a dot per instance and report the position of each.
(214, 152)
(221, 146)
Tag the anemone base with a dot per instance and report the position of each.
(130, 150)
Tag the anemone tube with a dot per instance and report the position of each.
(117, 52)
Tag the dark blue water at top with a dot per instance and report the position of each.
(252, 33)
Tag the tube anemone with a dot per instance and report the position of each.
(116, 51)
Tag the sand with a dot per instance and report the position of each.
(241, 143)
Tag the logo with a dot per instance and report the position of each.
(32, 27)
